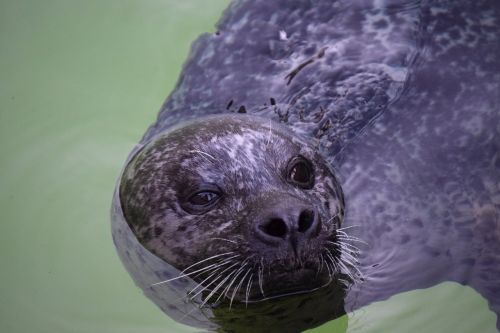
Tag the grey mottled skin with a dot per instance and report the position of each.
(403, 100)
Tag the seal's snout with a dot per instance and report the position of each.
(289, 224)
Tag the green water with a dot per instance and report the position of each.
(80, 83)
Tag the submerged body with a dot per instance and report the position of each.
(394, 103)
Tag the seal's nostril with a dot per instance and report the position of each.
(306, 219)
(275, 227)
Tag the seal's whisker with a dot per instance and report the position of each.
(341, 232)
(349, 262)
(224, 239)
(331, 219)
(235, 291)
(221, 274)
(320, 265)
(261, 278)
(240, 270)
(218, 263)
(214, 268)
(211, 268)
(340, 265)
(349, 227)
(228, 276)
(201, 284)
(344, 282)
(339, 260)
(221, 262)
(329, 253)
(350, 256)
(331, 257)
(249, 286)
(343, 262)
(198, 285)
(322, 262)
(352, 239)
(206, 268)
(213, 292)
(358, 277)
(218, 267)
(236, 273)
(352, 253)
(327, 262)
(235, 278)
(209, 258)
(347, 271)
(206, 259)
(330, 270)
(345, 245)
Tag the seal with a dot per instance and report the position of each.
(245, 208)
(297, 133)
(240, 190)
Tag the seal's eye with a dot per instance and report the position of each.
(203, 198)
(300, 172)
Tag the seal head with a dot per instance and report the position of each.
(244, 206)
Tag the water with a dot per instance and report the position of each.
(81, 81)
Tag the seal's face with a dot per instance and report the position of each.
(243, 206)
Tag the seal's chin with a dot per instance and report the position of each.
(289, 282)
(298, 281)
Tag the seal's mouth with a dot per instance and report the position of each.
(291, 282)
(254, 277)
(264, 282)
(285, 280)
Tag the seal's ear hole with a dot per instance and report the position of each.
(300, 172)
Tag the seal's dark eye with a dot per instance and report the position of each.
(300, 172)
(203, 198)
